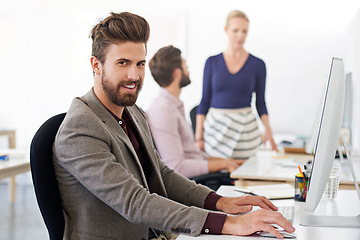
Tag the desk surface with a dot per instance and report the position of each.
(346, 204)
(269, 166)
(18, 163)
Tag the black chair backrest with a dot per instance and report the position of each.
(193, 117)
(214, 180)
(43, 176)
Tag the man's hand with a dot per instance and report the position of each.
(259, 220)
(243, 204)
(232, 165)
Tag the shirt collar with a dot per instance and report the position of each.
(166, 94)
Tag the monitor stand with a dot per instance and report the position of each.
(335, 221)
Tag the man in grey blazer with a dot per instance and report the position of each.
(112, 182)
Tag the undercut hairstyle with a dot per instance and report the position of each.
(163, 64)
(117, 28)
(235, 14)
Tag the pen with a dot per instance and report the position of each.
(244, 191)
(300, 171)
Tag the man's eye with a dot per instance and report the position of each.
(122, 63)
(142, 64)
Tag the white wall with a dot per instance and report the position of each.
(45, 49)
(353, 58)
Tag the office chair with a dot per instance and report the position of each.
(193, 117)
(43, 176)
(214, 180)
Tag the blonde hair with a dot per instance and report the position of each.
(234, 14)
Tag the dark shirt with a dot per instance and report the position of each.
(127, 125)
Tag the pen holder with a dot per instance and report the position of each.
(301, 185)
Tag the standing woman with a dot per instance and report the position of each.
(225, 124)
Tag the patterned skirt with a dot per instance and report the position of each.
(231, 133)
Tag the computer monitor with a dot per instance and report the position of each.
(347, 117)
(311, 140)
(327, 140)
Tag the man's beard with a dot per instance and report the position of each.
(113, 93)
(185, 80)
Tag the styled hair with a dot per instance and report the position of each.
(163, 64)
(118, 27)
(234, 14)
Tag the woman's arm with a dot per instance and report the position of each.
(199, 137)
(204, 105)
(261, 105)
(268, 132)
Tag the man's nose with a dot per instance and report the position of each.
(133, 73)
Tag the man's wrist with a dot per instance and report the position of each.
(211, 201)
(214, 223)
(218, 204)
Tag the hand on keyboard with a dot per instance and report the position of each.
(287, 212)
(262, 220)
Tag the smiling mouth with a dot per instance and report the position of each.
(130, 86)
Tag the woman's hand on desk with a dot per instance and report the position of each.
(259, 220)
(268, 137)
(235, 205)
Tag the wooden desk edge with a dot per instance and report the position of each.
(14, 170)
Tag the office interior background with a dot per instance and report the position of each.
(45, 50)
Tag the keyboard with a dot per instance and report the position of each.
(287, 212)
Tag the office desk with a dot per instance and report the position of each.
(346, 204)
(18, 163)
(270, 168)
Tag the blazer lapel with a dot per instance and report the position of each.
(146, 141)
(99, 109)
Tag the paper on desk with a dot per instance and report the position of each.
(276, 191)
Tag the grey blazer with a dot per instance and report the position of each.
(104, 192)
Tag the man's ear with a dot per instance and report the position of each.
(177, 73)
(95, 65)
